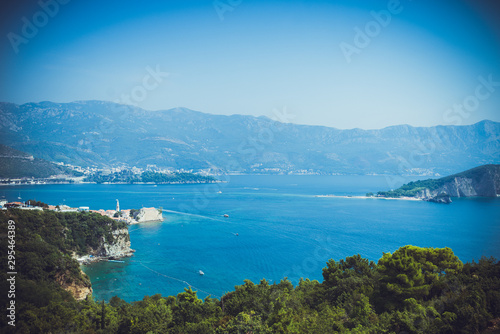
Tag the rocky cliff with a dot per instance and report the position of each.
(79, 289)
(479, 181)
(149, 215)
(118, 246)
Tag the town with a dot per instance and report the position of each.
(129, 216)
(123, 174)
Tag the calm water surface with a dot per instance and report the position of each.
(276, 227)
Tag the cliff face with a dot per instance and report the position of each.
(481, 181)
(119, 246)
(80, 288)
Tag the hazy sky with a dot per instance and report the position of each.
(339, 63)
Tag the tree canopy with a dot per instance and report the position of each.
(412, 290)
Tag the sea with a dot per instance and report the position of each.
(255, 227)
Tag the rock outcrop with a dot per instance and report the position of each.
(149, 215)
(442, 197)
(80, 289)
(117, 247)
(479, 181)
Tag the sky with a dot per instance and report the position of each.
(340, 63)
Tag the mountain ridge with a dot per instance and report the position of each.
(105, 134)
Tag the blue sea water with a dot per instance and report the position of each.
(276, 228)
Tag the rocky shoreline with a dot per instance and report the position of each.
(118, 248)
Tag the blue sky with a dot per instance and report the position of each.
(430, 63)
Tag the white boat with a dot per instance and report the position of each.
(201, 273)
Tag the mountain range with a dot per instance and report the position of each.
(98, 133)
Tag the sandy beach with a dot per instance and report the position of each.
(366, 197)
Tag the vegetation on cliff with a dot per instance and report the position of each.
(413, 290)
(411, 189)
(44, 244)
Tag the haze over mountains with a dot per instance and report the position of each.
(101, 133)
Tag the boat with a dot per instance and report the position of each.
(201, 273)
(226, 216)
(118, 261)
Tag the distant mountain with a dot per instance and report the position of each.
(479, 181)
(104, 134)
(17, 164)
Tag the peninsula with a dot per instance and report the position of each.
(128, 216)
(479, 181)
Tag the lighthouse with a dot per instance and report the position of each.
(117, 205)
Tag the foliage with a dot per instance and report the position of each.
(412, 188)
(33, 202)
(149, 177)
(411, 272)
(413, 290)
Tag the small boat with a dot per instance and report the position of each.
(226, 216)
(201, 273)
(117, 261)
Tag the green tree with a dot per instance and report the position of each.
(411, 271)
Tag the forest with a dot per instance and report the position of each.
(412, 290)
(127, 176)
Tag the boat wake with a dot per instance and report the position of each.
(179, 280)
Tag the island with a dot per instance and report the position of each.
(479, 181)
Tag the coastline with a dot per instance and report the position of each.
(34, 183)
(372, 197)
(88, 259)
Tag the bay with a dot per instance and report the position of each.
(277, 227)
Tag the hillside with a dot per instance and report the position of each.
(46, 243)
(102, 133)
(17, 164)
(412, 290)
(479, 181)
